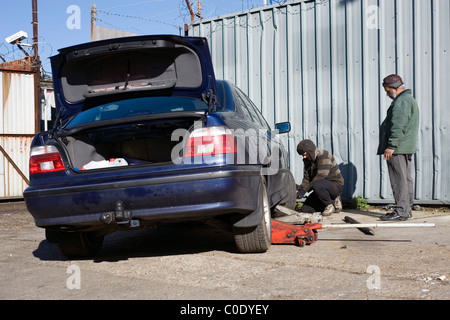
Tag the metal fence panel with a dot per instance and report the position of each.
(320, 65)
(17, 127)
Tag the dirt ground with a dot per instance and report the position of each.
(195, 262)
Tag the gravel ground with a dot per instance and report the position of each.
(196, 263)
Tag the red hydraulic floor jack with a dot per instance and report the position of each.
(303, 232)
(284, 233)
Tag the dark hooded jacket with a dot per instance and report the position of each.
(322, 166)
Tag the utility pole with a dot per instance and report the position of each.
(35, 30)
(93, 19)
(36, 67)
(190, 10)
(199, 8)
(199, 13)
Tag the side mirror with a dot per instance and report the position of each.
(283, 127)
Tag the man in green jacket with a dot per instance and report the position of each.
(398, 141)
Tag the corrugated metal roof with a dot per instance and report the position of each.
(320, 65)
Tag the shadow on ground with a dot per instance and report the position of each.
(166, 240)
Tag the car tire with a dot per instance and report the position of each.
(291, 199)
(81, 245)
(257, 239)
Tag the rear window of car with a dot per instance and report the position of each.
(136, 108)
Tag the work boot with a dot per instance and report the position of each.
(329, 209)
(393, 216)
(338, 204)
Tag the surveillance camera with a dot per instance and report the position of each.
(17, 37)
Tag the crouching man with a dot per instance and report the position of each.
(321, 175)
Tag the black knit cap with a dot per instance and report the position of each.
(392, 81)
(307, 146)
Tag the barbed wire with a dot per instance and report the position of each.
(12, 52)
(135, 17)
(213, 10)
(281, 9)
(116, 27)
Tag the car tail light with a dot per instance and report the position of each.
(210, 141)
(45, 159)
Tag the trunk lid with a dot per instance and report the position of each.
(94, 73)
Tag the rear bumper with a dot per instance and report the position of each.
(189, 196)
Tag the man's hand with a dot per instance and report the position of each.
(301, 193)
(388, 154)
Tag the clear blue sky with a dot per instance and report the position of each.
(135, 16)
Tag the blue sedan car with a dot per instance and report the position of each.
(146, 135)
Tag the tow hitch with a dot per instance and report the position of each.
(119, 216)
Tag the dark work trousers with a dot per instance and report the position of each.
(325, 192)
(399, 167)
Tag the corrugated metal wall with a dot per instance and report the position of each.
(17, 127)
(319, 64)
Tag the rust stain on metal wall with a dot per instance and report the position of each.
(6, 85)
(14, 165)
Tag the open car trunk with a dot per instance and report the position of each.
(159, 65)
(139, 143)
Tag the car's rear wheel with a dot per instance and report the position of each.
(77, 245)
(257, 239)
